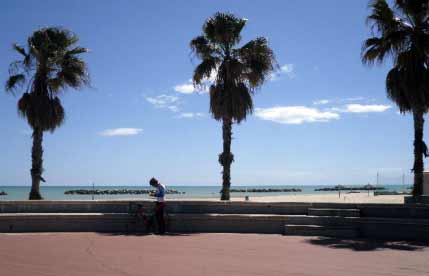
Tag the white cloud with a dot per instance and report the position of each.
(121, 132)
(191, 115)
(185, 88)
(287, 69)
(165, 101)
(362, 108)
(321, 102)
(295, 114)
(353, 99)
(188, 87)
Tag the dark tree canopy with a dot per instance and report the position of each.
(237, 71)
(401, 34)
(49, 65)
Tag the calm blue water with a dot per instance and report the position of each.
(57, 192)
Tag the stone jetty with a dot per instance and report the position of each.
(265, 190)
(363, 188)
(117, 192)
(392, 193)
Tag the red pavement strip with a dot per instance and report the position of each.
(93, 254)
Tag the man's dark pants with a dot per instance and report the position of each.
(159, 214)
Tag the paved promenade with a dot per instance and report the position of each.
(92, 254)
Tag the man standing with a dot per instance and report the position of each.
(159, 203)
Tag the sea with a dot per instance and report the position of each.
(57, 192)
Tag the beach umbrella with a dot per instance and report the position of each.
(339, 188)
(368, 187)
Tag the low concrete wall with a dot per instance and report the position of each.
(16, 223)
(226, 223)
(379, 228)
(204, 207)
(394, 229)
(123, 206)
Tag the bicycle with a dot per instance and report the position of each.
(139, 214)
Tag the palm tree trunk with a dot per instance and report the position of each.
(226, 157)
(418, 152)
(37, 164)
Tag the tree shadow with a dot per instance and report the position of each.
(136, 233)
(368, 245)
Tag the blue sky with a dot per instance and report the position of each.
(322, 119)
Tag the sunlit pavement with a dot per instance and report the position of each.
(95, 254)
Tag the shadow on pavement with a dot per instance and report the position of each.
(145, 234)
(368, 245)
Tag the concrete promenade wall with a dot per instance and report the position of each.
(385, 221)
(213, 207)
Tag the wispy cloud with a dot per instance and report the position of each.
(286, 69)
(295, 115)
(185, 88)
(189, 88)
(120, 131)
(165, 101)
(362, 108)
(190, 115)
(289, 70)
(321, 102)
(341, 101)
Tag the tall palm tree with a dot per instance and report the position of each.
(49, 65)
(237, 72)
(401, 32)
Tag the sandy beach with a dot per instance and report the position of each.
(344, 198)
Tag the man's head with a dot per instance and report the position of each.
(153, 182)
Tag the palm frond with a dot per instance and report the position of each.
(238, 70)
(19, 49)
(258, 59)
(52, 63)
(204, 70)
(415, 10)
(72, 73)
(382, 17)
(14, 81)
(41, 111)
(393, 34)
(374, 50)
(224, 28)
(202, 48)
(234, 102)
(77, 51)
(395, 90)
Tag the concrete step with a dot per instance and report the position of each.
(383, 228)
(123, 222)
(322, 220)
(66, 222)
(318, 230)
(333, 212)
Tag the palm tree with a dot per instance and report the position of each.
(49, 65)
(401, 32)
(237, 73)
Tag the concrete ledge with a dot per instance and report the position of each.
(417, 200)
(201, 207)
(174, 206)
(317, 230)
(342, 212)
(64, 222)
(226, 223)
(395, 229)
